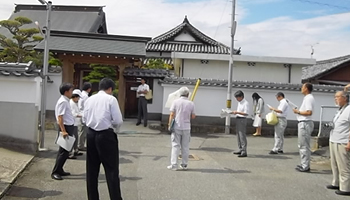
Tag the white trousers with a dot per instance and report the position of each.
(304, 134)
(180, 139)
(340, 163)
(279, 134)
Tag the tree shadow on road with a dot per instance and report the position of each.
(31, 193)
(269, 156)
(218, 171)
(124, 178)
(320, 171)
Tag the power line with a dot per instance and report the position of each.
(324, 4)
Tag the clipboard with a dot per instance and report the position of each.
(66, 143)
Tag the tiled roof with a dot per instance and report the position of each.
(24, 69)
(168, 61)
(19, 69)
(100, 44)
(153, 73)
(246, 84)
(323, 66)
(204, 43)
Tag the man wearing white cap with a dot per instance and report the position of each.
(182, 110)
(76, 94)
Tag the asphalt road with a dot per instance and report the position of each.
(214, 172)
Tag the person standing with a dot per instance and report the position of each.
(103, 119)
(65, 121)
(305, 127)
(83, 129)
(241, 123)
(339, 145)
(282, 112)
(258, 111)
(77, 122)
(182, 110)
(142, 90)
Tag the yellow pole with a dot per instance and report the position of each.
(195, 89)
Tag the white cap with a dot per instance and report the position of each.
(77, 91)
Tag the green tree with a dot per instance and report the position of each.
(19, 48)
(101, 71)
(157, 64)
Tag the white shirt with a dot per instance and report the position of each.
(75, 112)
(341, 121)
(308, 104)
(283, 106)
(101, 112)
(243, 106)
(81, 102)
(183, 109)
(143, 87)
(63, 109)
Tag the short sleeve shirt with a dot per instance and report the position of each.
(308, 104)
(341, 130)
(142, 88)
(183, 109)
(63, 109)
(283, 106)
(243, 106)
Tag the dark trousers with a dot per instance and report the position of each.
(62, 154)
(142, 110)
(102, 147)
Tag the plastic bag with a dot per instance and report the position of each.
(271, 118)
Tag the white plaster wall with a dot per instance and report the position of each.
(20, 89)
(184, 37)
(156, 106)
(210, 100)
(53, 93)
(264, 72)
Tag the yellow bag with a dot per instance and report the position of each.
(271, 118)
(149, 95)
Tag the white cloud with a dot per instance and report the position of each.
(283, 36)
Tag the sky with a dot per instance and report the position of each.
(282, 28)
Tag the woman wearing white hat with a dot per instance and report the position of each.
(77, 122)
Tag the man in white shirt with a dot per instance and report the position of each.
(305, 127)
(241, 123)
(83, 129)
(339, 145)
(182, 110)
(77, 122)
(65, 121)
(282, 112)
(103, 118)
(142, 90)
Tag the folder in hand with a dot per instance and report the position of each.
(65, 143)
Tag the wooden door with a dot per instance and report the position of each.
(131, 100)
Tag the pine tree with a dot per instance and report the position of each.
(19, 48)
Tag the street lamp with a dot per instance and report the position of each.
(44, 74)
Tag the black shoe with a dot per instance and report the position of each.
(65, 174)
(242, 155)
(332, 187)
(72, 157)
(338, 192)
(145, 125)
(280, 151)
(237, 152)
(82, 149)
(56, 177)
(138, 123)
(273, 152)
(78, 154)
(299, 169)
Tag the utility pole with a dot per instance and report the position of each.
(44, 74)
(230, 71)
